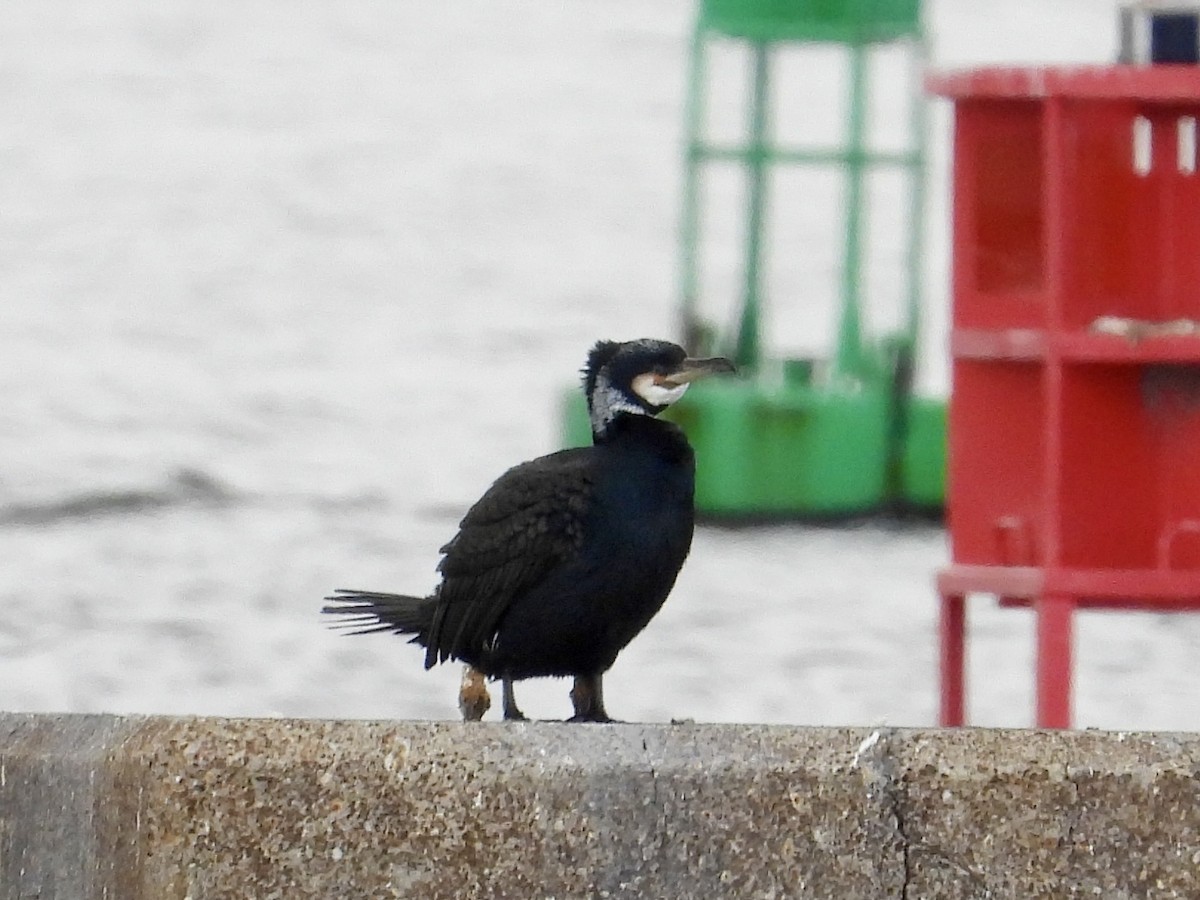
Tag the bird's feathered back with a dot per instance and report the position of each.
(528, 523)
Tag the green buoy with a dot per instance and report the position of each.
(843, 436)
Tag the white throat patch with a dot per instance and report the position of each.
(657, 394)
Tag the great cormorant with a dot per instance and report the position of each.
(567, 557)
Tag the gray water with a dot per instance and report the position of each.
(283, 287)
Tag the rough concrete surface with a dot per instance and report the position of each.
(99, 806)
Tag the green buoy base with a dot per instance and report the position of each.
(923, 454)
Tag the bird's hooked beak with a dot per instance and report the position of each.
(693, 369)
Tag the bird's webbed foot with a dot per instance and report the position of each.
(600, 718)
(587, 695)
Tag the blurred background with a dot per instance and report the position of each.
(284, 287)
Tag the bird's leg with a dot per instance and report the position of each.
(588, 696)
(473, 697)
(511, 712)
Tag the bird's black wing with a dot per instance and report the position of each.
(528, 523)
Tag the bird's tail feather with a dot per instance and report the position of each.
(368, 612)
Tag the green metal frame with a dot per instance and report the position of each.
(857, 440)
(799, 21)
(860, 439)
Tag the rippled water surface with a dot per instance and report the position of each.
(284, 288)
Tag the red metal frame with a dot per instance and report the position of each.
(1074, 422)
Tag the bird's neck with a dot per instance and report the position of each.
(637, 428)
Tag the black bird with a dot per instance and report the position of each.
(567, 557)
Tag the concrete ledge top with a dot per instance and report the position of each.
(144, 807)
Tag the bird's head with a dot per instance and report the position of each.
(641, 377)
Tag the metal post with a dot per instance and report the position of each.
(849, 361)
(1053, 662)
(689, 223)
(952, 626)
(904, 344)
(916, 200)
(748, 350)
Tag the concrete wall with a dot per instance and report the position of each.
(106, 807)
